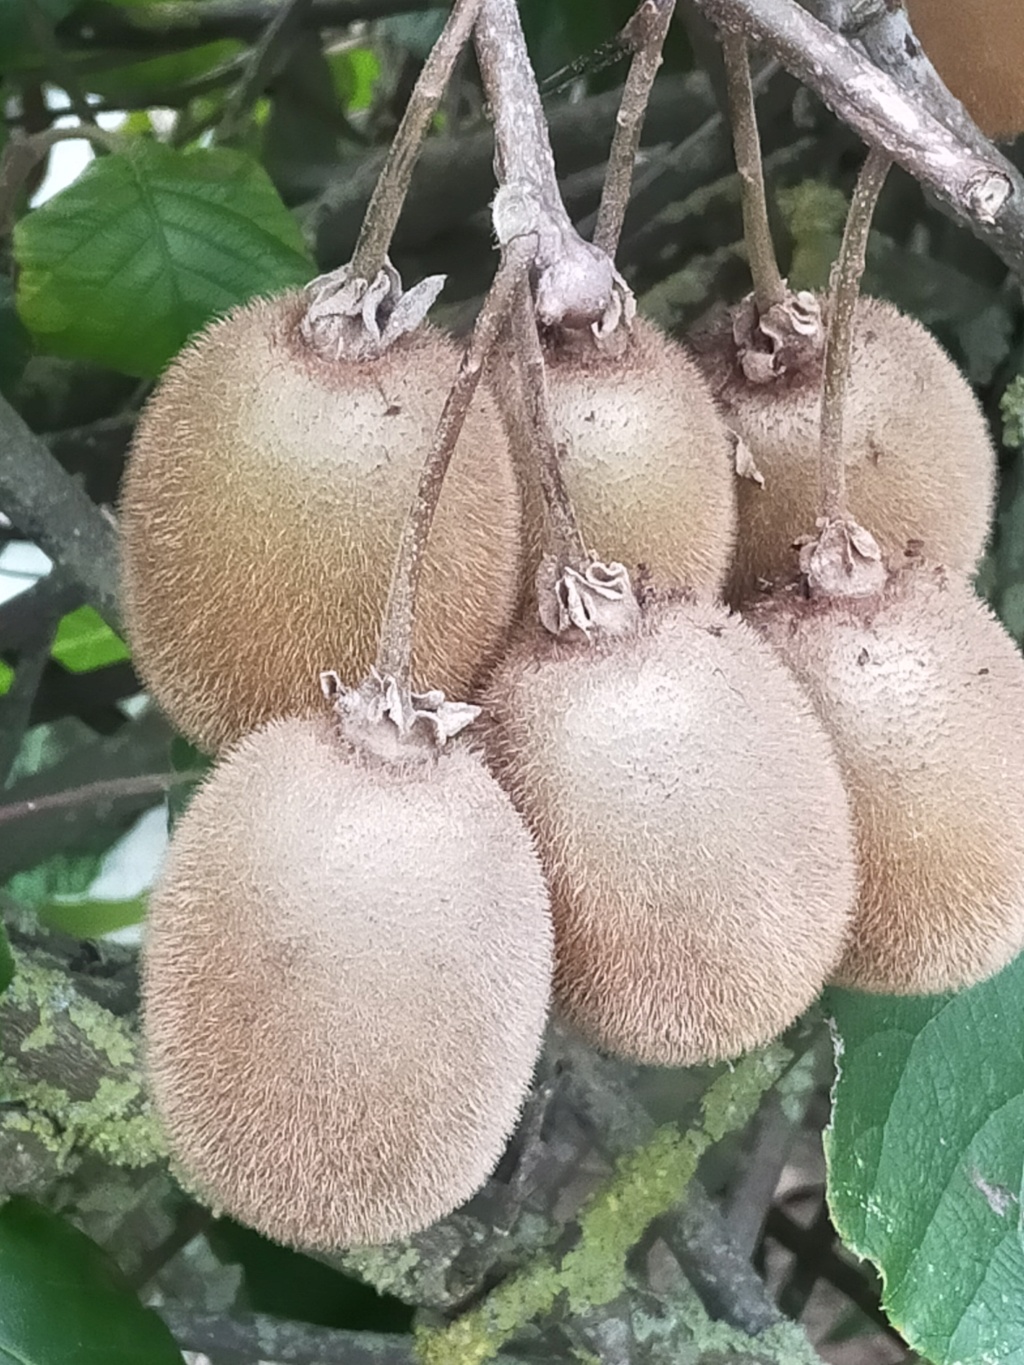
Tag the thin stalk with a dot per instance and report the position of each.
(769, 286)
(843, 295)
(389, 193)
(575, 283)
(646, 32)
(523, 147)
(394, 652)
(567, 536)
(259, 68)
(97, 793)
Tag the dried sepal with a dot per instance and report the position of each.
(350, 318)
(599, 597)
(383, 710)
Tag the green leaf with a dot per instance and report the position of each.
(64, 1302)
(926, 1162)
(6, 677)
(146, 247)
(155, 76)
(355, 73)
(84, 641)
(6, 961)
(92, 918)
(65, 874)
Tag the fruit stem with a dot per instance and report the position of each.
(645, 33)
(843, 294)
(576, 283)
(394, 651)
(392, 185)
(769, 286)
(567, 537)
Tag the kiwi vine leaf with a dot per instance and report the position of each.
(146, 247)
(65, 1302)
(926, 1161)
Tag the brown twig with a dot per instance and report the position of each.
(259, 67)
(393, 184)
(843, 295)
(576, 284)
(646, 33)
(49, 507)
(96, 793)
(23, 154)
(981, 187)
(769, 286)
(394, 653)
(568, 540)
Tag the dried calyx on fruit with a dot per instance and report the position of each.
(920, 463)
(643, 453)
(919, 460)
(262, 506)
(663, 765)
(346, 977)
(977, 46)
(918, 687)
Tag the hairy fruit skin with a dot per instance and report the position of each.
(346, 981)
(977, 47)
(645, 459)
(691, 820)
(261, 511)
(922, 692)
(920, 467)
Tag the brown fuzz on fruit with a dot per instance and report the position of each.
(977, 47)
(346, 981)
(691, 820)
(644, 457)
(261, 513)
(920, 467)
(922, 692)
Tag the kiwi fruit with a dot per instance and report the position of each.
(643, 453)
(261, 511)
(920, 467)
(693, 826)
(977, 47)
(922, 692)
(347, 973)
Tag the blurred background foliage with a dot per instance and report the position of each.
(234, 158)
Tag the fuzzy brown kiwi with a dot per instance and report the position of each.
(261, 511)
(922, 692)
(347, 971)
(977, 47)
(920, 466)
(692, 822)
(644, 456)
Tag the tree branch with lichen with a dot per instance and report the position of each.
(49, 507)
(646, 1183)
(70, 1082)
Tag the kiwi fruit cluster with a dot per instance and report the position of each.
(700, 778)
